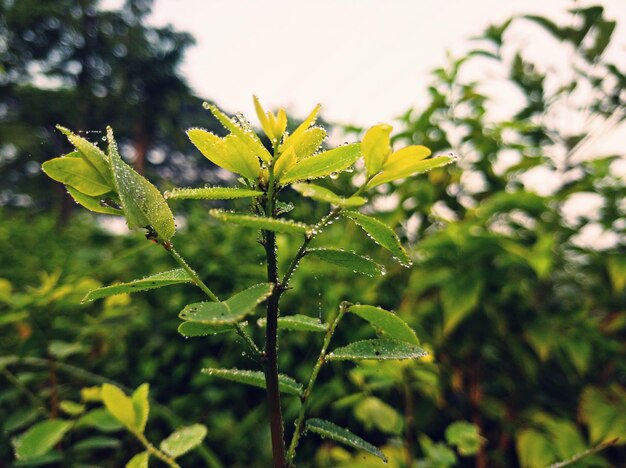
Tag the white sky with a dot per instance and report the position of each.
(366, 61)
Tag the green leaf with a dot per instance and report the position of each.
(92, 203)
(256, 379)
(71, 408)
(258, 222)
(349, 260)
(183, 440)
(211, 146)
(20, 418)
(40, 438)
(139, 461)
(101, 419)
(382, 234)
(91, 153)
(378, 349)
(157, 280)
(534, 449)
(459, 298)
(616, 266)
(141, 406)
(464, 436)
(142, 202)
(241, 157)
(329, 430)
(96, 443)
(119, 405)
(376, 147)
(77, 173)
(297, 323)
(372, 412)
(230, 311)
(193, 329)
(324, 195)
(407, 168)
(604, 410)
(210, 193)
(309, 142)
(387, 322)
(323, 164)
(246, 136)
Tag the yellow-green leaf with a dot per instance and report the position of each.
(383, 320)
(241, 157)
(92, 203)
(259, 222)
(119, 405)
(40, 438)
(141, 406)
(284, 162)
(92, 154)
(325, 195)
(382, 234)
(139, 461)
(157, 280)
(184, 440)
(210, 193)
(77, 173)
(308, 142)
(323, 164)
(407, 168)
(303, 127)
(248, 137)
(141, 201)
(376, 147)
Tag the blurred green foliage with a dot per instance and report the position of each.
(525, 321)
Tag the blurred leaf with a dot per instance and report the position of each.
(378, 349)
(230, 311)
(183, 440)
(382, 234)
(259, 222)
(534, 449)
(20, 418)
(324, 195)
(141, 406)
(349, 260)
(62, 349)
(326, 429)
(210, 193)
(96, 443)
(72, 408)
(375, 413)
(101, 419)
(255, 378)
(139, 461)
(464, 436)
(459, 298)
(40, 438)
(323, 164)
(616, 265)
(297, 323)
(119, 405)
(605, 413)
(385, 321)
(158, 280)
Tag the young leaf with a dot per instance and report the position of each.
(139, 461)
(183, 440)
(193, 329)
(211, 146)
(387, 322)
(71, 408)
(258, 222)
(40, 438)
(330, 430)
(255, 378)
(142, 202)
(77, 173)
(376, 147)
(119, 405)
(92, 203)
(292, 139)
(210, 193)
(408, 167)
(309, 142)
(297, 323)
(141, 406)
(241, 157)
(378, 349)
(382, 235)
(324, 195)
(245, 136)
(157, 280)
(323, 164)
(349, 260)
(230, 311)
(284, 162)
(92, 154)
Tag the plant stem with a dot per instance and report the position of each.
(307, 392)
(271, 336)
(198, 282)
(152, 450)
